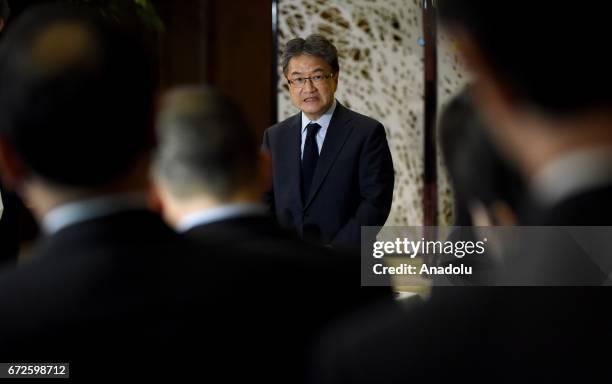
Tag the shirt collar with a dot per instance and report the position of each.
(323, 121)
(572, 174)
(223, 212)
(87, 209)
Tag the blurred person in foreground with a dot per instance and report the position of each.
(488, 190)
(560, 140)
(550, 113)
(209, 174)
(76, 106)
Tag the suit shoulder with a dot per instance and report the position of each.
(281, 125)
(363, 121)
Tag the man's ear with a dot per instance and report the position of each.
(480, 215)
(503, 214)
(12, 168)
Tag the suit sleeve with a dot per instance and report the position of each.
(376, 178)
(268, 196)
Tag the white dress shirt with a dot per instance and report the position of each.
(223, 212)
(323, 122)
(83, 210)
(571, 174)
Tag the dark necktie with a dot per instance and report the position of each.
(309, 158)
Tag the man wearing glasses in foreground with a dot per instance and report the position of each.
(331, 167)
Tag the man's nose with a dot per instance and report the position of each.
(309, 86)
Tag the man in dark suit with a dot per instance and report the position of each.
(332, 168)
(76, 103)
(209, 174)
(561, 143)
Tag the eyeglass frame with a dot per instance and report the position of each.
(311, 79)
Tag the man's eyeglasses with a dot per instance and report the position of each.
(299, 82)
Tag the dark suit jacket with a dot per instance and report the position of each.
(352, 185)
(571, 256)
(283, 292)
(475, 335)
(487, 334)
(592, 207)
(100, 289)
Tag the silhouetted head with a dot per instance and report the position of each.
(547, 54)
(481, 177)
(205, 144)
(75, 96)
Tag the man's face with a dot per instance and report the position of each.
(314, 97)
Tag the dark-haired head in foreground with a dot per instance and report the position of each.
(75, 113)
(488, 190)
(76, 98)
(544, 90)
(483, 181)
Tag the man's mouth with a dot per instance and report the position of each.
(311, 99)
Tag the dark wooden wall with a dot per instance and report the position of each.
(225, 43)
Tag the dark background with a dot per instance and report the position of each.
(228, 44)
(224, 43)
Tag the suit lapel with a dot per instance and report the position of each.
(293, 156)
(337, 133)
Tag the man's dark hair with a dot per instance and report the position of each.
(549, 54)
(205, 144)
(75, 95)
(5, 11)
(478, 172)
(313, 45)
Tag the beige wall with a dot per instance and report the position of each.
(381, 75)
